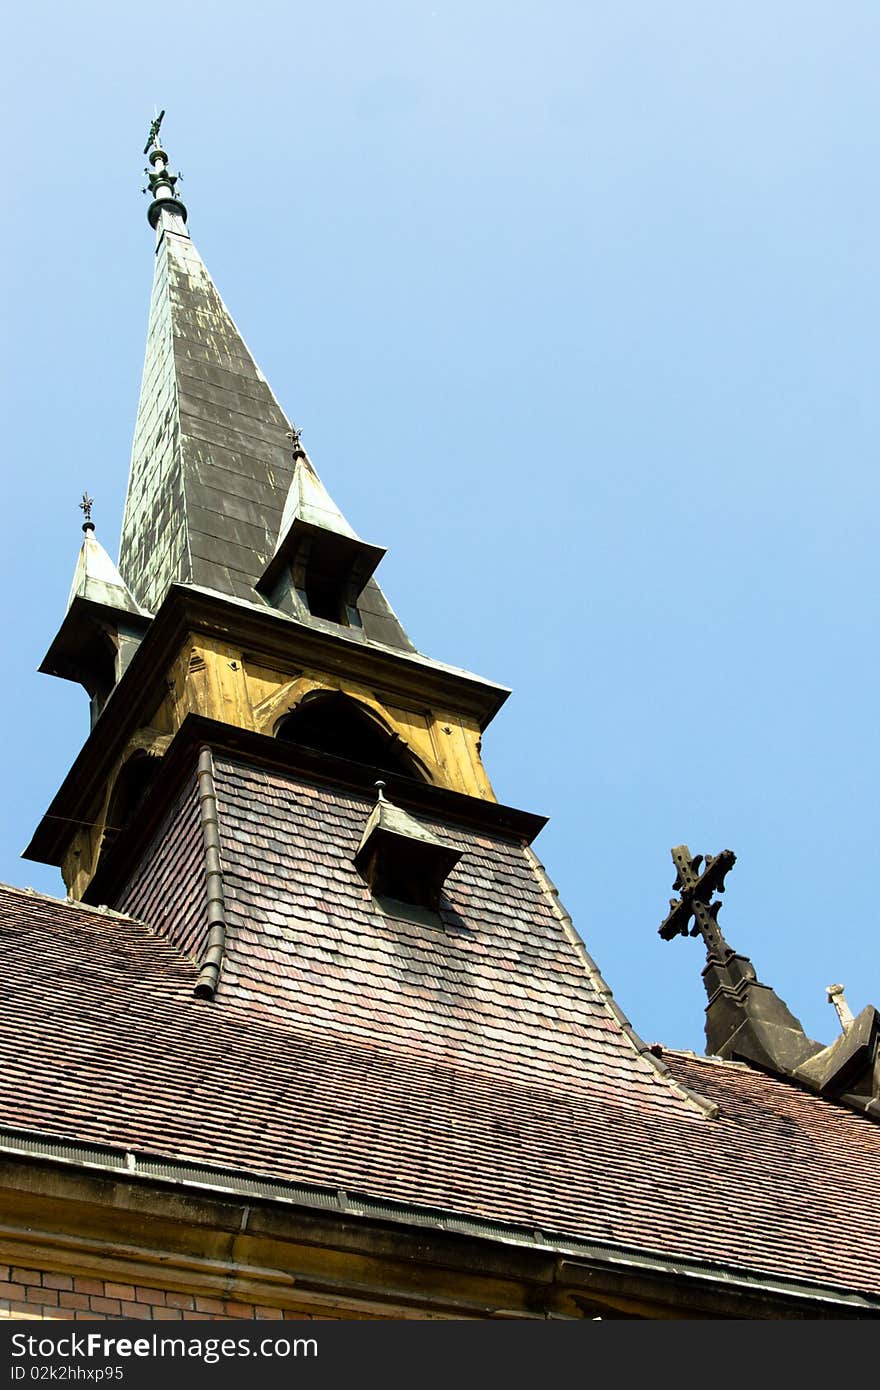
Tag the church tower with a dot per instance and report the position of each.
(243, 594)
(312, 1034)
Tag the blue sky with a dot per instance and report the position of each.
(576, 305)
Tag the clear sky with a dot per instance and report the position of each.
(576, 305)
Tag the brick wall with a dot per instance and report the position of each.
(34, 1293)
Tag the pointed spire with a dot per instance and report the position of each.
(96, 578)
(320, 566)
(307, 497)
(166, 212)
(211, 465)
(102, 626)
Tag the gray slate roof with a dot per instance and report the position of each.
(211, 463)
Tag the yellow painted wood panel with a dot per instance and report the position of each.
(212, 677)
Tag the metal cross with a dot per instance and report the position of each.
(85, 507)
(697, 890)
(295, 436)
(153, 137)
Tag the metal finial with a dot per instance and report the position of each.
(85, 507)
(153, 137)
(161, 180)
(294, 434)
(380, 787)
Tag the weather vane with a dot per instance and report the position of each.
(85, 507)
(294, 434)
(153, 137)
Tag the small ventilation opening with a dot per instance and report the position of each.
(325, 598)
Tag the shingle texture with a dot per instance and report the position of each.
(471, 1065)
(210, 461)
(211, 464)
(168, 888)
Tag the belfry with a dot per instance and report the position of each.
(312, 1035)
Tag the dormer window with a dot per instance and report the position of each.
(401, 861)
(320, 573)
(102, 628)
(320, 567)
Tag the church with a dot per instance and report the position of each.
(312, 1035)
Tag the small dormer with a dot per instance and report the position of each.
(320, 566)
(400, 860)
(102, 627)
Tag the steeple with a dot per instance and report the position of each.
(244, 599)
(211, 464)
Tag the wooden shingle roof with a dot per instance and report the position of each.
(476, 1067)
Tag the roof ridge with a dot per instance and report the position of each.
(711, 1060)
(98, 910)
(707, 1108)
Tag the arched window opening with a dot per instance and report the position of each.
(128, 795)
(336, 724)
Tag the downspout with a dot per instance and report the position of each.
(212, 959)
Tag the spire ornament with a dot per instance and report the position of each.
(294, 434)
(161, 181)
(153, 137)
(697, 888)
(85, 507)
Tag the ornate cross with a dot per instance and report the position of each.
(85, 507)
(697, 890)
(153, 137)
(294, 434)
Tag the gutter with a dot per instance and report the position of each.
(212, 958)
(568, 1250)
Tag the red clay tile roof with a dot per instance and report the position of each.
(472, 1066)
